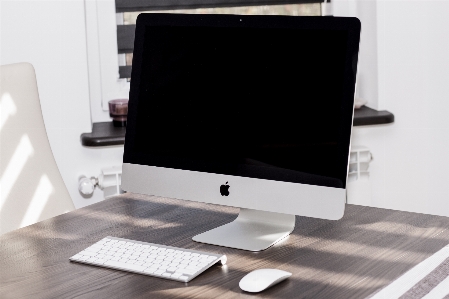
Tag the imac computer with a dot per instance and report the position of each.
(252, 112)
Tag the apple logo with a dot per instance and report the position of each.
(224, 189)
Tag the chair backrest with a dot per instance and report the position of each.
(31, 187)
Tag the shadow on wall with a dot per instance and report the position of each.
(31, 188)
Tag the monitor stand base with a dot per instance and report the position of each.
(252, 230)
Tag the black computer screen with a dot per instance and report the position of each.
(249, 101)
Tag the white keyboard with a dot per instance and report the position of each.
(149, 259)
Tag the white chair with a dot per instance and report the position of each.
(31, 187)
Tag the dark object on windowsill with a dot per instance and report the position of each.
(105, 133)
(118, 110)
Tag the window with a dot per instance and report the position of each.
(110, 26)
(127, 20)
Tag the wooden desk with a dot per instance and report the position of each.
(349, 258)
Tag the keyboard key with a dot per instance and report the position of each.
(124, 266)
(176, 275)
(159, 272)
(88, 253)
(171, 269)
(94, 248)
(183, 277)
(100, 261)
(166, 274)
(149, 270)
(188, 271)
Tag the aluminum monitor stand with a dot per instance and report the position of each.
(252, 230)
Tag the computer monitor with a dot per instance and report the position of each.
(252, 112)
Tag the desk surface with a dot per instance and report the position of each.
(350, 258)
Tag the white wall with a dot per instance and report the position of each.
(403, 66)
(411, 157)
(51, 35)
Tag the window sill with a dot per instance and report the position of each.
(104, 133)
(366, 116)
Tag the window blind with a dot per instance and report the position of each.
(131, 8)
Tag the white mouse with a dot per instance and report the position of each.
(259, 280)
